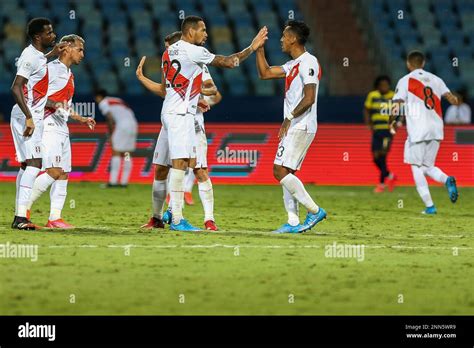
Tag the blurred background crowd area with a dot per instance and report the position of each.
(354, 40)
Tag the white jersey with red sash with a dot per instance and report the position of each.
(421, 93)
(299, 72)
(61, 90)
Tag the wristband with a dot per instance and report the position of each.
(290, 116)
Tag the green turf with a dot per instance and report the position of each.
(405, 253)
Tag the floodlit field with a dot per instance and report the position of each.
(402, 262)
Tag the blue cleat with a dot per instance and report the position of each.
(184, 226)
(429, 210)
(452, 189)
(287, 228)
(313, 218)
(167, 216)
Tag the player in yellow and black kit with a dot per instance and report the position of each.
(376, 116)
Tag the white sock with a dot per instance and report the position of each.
(176, 194)
(58, 197)
(296, 188)
(291, 206)
(18, 179)
(24, 191)
(126, 170)
(159, 197)
(206, 193)
(42, 183)
(422, 185)
(189, 181)
(114, 169)
(436, 174)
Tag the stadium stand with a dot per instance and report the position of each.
(115, 30)
(119, 32)
(443, 29)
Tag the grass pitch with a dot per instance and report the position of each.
(412, 264)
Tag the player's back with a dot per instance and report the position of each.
(32, 65)
(182, 67)
(422, 92)
(60, 90)
(122, 114)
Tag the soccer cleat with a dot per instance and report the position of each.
(22, 223)
(184, 226)
(59, 223)
(452, 189)
(15, 221)
(109, 185)
(168, 216)
(390, 180)
(429, 210)
(210, 225)
(188, 198)
(313, 218)
(379, 188)
(287, 228)
(154, 223)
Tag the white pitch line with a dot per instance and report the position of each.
(211, 246)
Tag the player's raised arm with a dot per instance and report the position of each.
(266, 72)
(235, 59)
(56, 51)
(152, 86)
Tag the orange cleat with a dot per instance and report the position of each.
(188, 198)
(390, 180)
(379, 188)
(210, 225)
(59, 223)
(154, 223)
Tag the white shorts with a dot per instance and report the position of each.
(181, 135)
(293, 148)
(124, 140)
(161, 155)
(56, 151)
(26, 147)
(201, 143)
(421, 153)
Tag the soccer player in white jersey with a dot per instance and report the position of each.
(210, 97)
(123, 128)
(30, 89)
(182, 65)
(302, 75)
(420, 93)
(56, 144)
